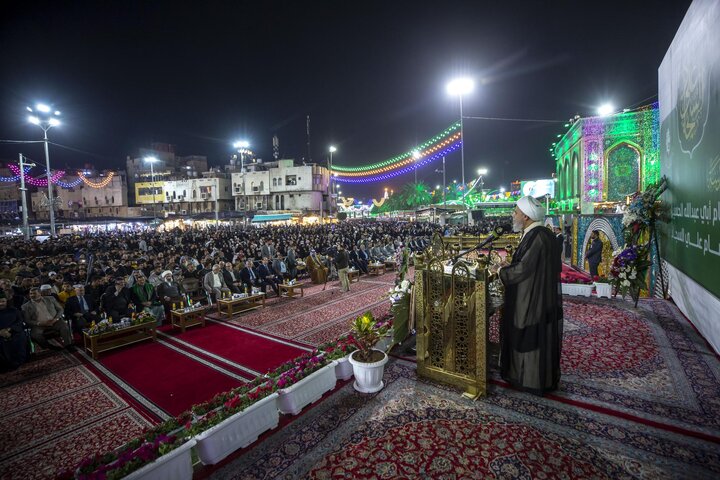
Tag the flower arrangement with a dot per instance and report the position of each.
(291, 372)
(643, 211)
(572, 276)
(227, 404)
(339, 348)
(366, 332)
(107, 325)
(135, 454)
(631, 263)
(629, 269)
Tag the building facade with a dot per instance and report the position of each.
(91, 196)
(281, 186)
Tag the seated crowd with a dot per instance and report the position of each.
(50, 289)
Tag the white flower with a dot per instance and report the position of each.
(626, 283)
(633, 276)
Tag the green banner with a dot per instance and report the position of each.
(689, 81)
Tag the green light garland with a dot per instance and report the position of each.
(403, 156)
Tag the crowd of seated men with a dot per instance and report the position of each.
(63, 284)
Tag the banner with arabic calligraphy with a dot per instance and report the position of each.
(689, 82)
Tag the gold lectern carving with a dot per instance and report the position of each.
(452, 308)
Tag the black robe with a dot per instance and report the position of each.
(532, 323)
(13, 350)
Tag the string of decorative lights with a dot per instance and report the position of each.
(394, 173)
(412, 161)
(101, 184)
(56, 179)
(37, 182)
(405, 157)
(16, 178)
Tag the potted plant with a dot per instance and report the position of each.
(368, 363)
(603, 288)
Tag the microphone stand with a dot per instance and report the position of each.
(479, 246)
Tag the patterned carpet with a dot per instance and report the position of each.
(648, 364)
(56, 411)
(414, 429)
(321, 315)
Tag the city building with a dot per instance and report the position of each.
(145, 183)
(197, 195)
(281, 186)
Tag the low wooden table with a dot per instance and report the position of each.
(102, 342)
(353, 274)
(182, 319)
(290, 289)
(374, 268)
(390, 265)
(237, 305)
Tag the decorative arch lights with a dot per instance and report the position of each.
(37, 182)
(16, 178)
(101, 184)
(56, 179)
(434, 148)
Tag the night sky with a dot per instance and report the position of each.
(371, 75)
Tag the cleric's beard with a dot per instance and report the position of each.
(517, 225)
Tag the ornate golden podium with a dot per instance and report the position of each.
(452, 308)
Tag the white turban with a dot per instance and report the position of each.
(166, 273)
(532, 208)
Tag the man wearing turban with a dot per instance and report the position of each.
(532, 322)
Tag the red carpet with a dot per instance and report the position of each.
(249, 350)
(171, 380)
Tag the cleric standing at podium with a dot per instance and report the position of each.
(532, 322)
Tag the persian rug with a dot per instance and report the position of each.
(648, 364)
(320, 316)
(414, 429)
(55, 412)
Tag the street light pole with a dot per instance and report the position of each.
(331, 186)
(49, 119)
(460, 87)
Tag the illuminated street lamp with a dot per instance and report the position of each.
(44, 117)
(416, 157)
(605, 109)
(482, 172)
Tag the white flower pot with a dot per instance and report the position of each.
(577, 289)
(176, 465)
(238, 431)
(603, 290)
(343, 369)
(308, 390)
(368, 376)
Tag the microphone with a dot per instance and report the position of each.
(497, 232)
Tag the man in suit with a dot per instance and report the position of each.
(268, 277)
(364, 258)
(214, 283)
(80, 308)
(268, 250)
(342, 261)
(594, 253)
(291, 262)
(249, 277)
(117, 300)
(279, 267)
(232, 279)
(355, 261)
(44, 315)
